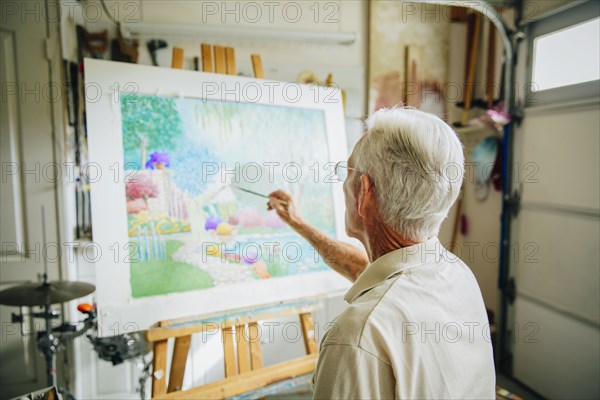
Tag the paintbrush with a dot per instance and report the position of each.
(259, 194)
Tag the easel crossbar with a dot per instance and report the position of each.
(248, 380)
(212, 324)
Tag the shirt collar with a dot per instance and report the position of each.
(393, 263)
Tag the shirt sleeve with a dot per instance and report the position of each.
(349, 372)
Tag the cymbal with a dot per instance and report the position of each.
(39, 294)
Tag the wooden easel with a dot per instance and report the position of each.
(244, 370)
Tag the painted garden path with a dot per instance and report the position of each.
(221, 272)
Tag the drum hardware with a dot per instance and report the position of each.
(117, 349)
(145, 375)
(51, 340)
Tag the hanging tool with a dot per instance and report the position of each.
(74, 82)
(153, 46)
(491, 61)
(96, 43)
(459, 14)
(471, 70)
(123, 48)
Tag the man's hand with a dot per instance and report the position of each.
(283, 203)
(342, 257)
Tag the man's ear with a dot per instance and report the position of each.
(366, 195)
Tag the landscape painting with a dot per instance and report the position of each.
(190, 225)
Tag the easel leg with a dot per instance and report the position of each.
(180, 353)
(308, 332)
(229, 350)
(159, 368)
(255, 351)
(243, 349)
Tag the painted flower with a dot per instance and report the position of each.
(158, 160)
(212, 223)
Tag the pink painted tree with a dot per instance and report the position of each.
(141, 187)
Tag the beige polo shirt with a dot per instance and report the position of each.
(416, 328)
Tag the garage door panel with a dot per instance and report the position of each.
(555, 355)
(558, 260)
(562, 162)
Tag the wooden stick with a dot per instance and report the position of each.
(471, 72)
(406, 77)
(308, 330)
(230, 61)
(470, 30)
(257, 65)
(180, 353)
(491, 66)
(255, 351)
(220, 60)
(229, 350)
(329, 80)
(177, 59)
(205, 49)
(159, 368)
(243, 349)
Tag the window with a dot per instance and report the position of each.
(567, 57)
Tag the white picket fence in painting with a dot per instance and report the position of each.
(151, 244)
(178, 201)
(170, 199)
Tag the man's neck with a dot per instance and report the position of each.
(384, 240)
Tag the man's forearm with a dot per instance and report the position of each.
(343, 258)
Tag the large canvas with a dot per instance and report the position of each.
(179, 234)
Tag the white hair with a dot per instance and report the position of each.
(416, 163)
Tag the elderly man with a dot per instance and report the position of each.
(416, 326)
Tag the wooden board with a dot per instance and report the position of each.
(207, 64)
(220, 60)
(248, 381)
(177, 59)
(170, 329)
(257, 66)
(230, 61)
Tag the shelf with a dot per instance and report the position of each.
(247, 33)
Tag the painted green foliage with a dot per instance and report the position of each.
(149, 122)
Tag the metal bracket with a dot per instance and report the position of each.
(513, 203)
(510, 290)
(518, 114)
(16, 318)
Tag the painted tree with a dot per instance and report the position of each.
(141, 187)
(149, 122)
